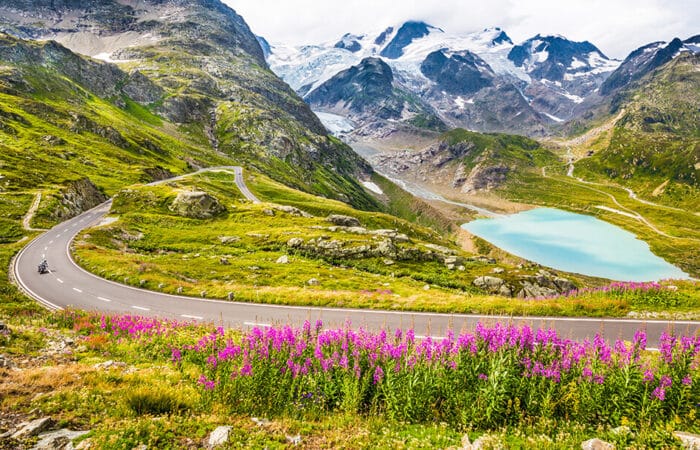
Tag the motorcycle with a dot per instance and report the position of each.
(43, 267)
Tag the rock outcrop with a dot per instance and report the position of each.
(542, 284)
(196, 205)
(77, 197)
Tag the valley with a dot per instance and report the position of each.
(261, 244)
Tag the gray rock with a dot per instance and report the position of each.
(564, 285)
(229, 239)
(258, 235)
(284, 259)
(58, 440)
(294, 440)
(622, 430)
(313, 282)
(179, 290)
(33, 428)
(393, 234)
(596, 444)
(261, 422)
(505, 291)
(230, 296)
(5, 362)
(219, 436)
(268, 212)
(203, 294)
(224, 261)
(77, 197)
(531, 290)
(295, 242)
(440, 249)
(292, 210)
(498, 270)
(388, 262)
(196, 205)
(345, 221)
(488, 283)
(109, 364)
(387, 248)
(690, 441)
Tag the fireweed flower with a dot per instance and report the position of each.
(659, 394)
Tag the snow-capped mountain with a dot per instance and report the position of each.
(647, 58)
(480, 80)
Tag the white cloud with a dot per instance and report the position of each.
(615, 26)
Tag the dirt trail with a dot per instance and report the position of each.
(625, 211)
(27, 220)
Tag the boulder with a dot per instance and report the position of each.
(564, 285)
(313, 282)
(344, 221)
(292, 210)
(268, 212)
(531, 290)
(284, 259)
(58, 440)
(295, 242)
(440, 249)
(596, 444)
(219, 436)
(690, 441)
(5, 362)
(229, 239)
(224, 261)
(488, 283)
(387, 248)
(196, 205)
(109, 364)
(392, 234)
(33, 428)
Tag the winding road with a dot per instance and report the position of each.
(68, 285)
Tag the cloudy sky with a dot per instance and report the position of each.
(615, 26)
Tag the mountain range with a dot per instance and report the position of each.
(120, 88)
(481, 81)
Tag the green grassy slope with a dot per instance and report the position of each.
(657, 139)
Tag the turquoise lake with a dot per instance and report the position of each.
(575, 243)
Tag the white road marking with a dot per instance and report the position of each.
(50, 242)
(187, 316)
(46, 248)
(77, 290)
(141, 308)
(59, 280)
(43, 255)
(104, 299)
(58, 235)
(257, 324)
(434, 338)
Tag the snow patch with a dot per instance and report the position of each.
(572, 97)
(460, 102)
(334, 123)
(372, 187)
(554, 118)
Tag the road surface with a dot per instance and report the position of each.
(67, 285)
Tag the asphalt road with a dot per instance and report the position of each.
(67, 285)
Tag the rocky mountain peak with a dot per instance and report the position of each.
(406, 34)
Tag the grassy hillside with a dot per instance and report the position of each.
(655, 146)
